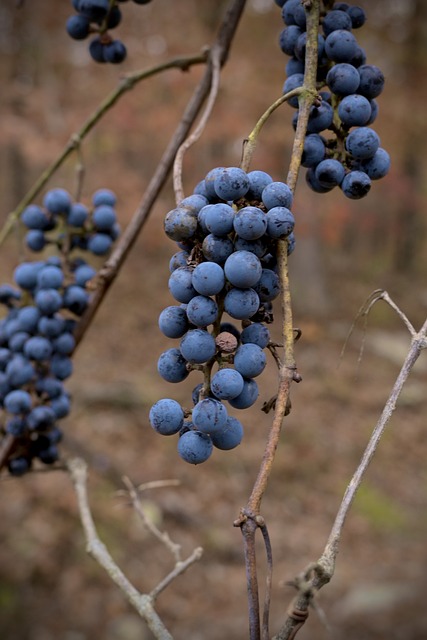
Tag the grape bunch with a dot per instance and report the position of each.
(348, 87)
(42, 310)
(227, 233)
(99, 16)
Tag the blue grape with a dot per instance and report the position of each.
(259, 247)
(209, 415)
(8, 294)
(78, 27)
(294, 66)
(180, 224)
(61, 366)
(208, 278)
(320, 118)
(96, 50)
(243, 269)
(378, 166)
(277, 194)
(231, 183)
(288, 39)
(248, 397)
(99, 244)
(57, 201)
(28, 318)
(258, 180)
(357, 16)
(340, 46)
(104, 196)
(195, 447)
(329, 173)
(173, 322)
(115, 52)
(197, 346)
(218, 218)
(313, 182)
(25, 274)
(209, 181)
(19, 371)
(83, 274)
(334, 20)
(166, 416)
(343, 79)
(241, 304)
(35, 240)
(50, 387)
(256, 333)
(18, 466)
(16, 426)
(41, 418)
(249, 360)
(17, 402)
(371, 81)
(38, 348)
(64, 344)
(202, 311)
(34, 217)
(230, 436)
(50, 277)
(362, 143)
(51, 326)
(180, 284)
(268, 287)
(354, 110)
(280, 222)
(250, 223)
(194, 203)
(76, 299)
(49, 301)
(77, 215)
(18, 340)
(172, 366)
(356, 185)
(217, 248)
(227, 384)
(104, 217)
(313, 151)
(61, 405)
(179, 259)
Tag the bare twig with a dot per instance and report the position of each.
(142, 603)
(192, 139)
(162, 536)
(323, 569)
(178, 570)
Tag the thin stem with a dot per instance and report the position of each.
(178, 570)
(268, 581)
(307, 98)
(142, 603)
(192, 139)
(252, 139)
(323, 570)
(126, 84)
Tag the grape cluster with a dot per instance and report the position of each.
(227, 233)
(69, 225)
(99, 16)
(43, 307)
(347, 104)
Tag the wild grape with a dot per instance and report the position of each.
(354, 85)
(228, 233)
(36, 334)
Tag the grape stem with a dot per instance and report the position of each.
(287, 370)
(250, 142)
(192, 139)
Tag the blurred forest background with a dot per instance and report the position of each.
(49, 588)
